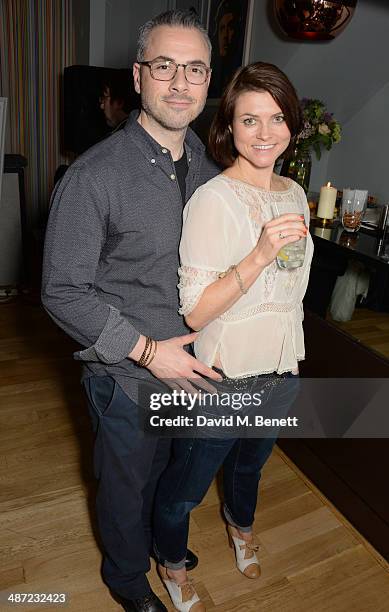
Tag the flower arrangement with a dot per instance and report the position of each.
(320, 129)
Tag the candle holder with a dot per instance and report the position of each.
(323, 222)
(323, 232)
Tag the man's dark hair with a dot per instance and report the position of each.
(183, 19)
(255, 77)
(119, 87)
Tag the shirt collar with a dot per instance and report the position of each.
(151, 147)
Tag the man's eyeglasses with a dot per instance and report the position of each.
(166, 70)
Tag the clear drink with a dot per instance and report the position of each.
(292, 255)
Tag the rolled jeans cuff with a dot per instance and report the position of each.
(231, 521)
(169, 564)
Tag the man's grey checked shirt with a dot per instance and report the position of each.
(111, 250)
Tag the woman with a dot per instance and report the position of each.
(247, 309)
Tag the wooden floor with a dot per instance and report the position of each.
(312, 559)
(370, 328)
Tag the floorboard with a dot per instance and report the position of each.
(312, 559)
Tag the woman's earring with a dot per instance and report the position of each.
(229, 129)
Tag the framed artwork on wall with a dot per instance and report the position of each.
(229, 25)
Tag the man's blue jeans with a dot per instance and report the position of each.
(127, 467)
(194, 464)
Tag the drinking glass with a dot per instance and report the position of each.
(353, 208)
(291, 255)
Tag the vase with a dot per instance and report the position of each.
(298, 168)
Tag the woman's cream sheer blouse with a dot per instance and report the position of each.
(262, 332)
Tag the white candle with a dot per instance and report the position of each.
(327, 201)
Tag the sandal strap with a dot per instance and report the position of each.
(187, 590)
(252, 546)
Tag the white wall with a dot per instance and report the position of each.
(363, 159)
(10, 231)
(97, 32)
(114, 28)
(117, 33)
(3, 125)
(142, 11)
(114, 25)
(81, 24)
(350, 75)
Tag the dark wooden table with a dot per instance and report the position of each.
(334, 247)
(350, 472)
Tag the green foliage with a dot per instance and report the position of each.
(320, 129)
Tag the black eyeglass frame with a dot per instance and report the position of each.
(151, 62)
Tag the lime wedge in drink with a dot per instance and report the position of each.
(282, 255)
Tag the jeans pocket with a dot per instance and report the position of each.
(101, 392)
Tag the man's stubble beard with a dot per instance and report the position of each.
(172, 122)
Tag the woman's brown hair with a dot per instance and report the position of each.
(254, 77)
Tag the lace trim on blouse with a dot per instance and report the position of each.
(251, 312)
(269, 371)
(258, 202)
(193, 282)
(254, 198)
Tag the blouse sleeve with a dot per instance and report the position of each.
(208, 229)
(302, 198)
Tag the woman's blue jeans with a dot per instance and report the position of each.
(194, 464)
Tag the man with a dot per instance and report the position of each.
(115, 101)
(110, 276)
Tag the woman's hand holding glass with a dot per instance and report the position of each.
(277, 233)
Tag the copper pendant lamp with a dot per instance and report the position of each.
(314, 19)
